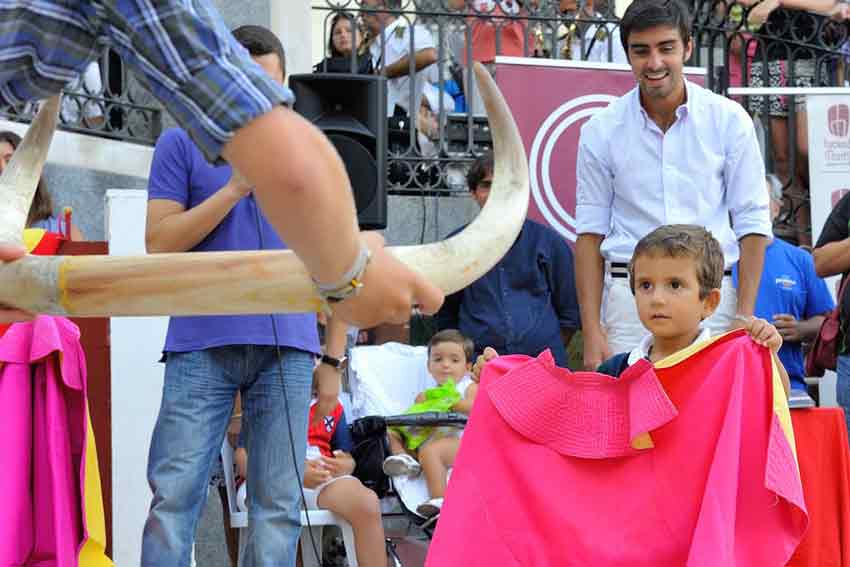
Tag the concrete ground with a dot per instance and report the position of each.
(211, 551)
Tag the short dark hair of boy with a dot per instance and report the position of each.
(453, 336)
(261, 41)
(480, 169)
(684, 241)
(642, 15)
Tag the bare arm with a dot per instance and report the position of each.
(590, 273)
(749, 271)
(302, 187)
(833, 258)
(465, 405)
(172, 228)
(422, 59)
(797, 331)
(809, 328)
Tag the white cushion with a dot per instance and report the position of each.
(385, 379)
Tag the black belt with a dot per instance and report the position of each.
(621, 270)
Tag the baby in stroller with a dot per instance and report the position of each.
(452, 389)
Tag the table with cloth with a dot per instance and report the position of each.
(824, 459)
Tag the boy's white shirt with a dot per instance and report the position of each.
(643, 348)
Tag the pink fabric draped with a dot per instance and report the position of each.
(42, 388)
(548, 473)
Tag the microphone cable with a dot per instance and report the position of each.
(298, 472)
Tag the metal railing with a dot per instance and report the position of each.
(431, 143)
(750, 46)
(448, 128)
(739, 45)
(105, 101)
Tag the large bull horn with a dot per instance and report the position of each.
(21, 175)
(205, 283)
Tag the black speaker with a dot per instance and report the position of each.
(352, 112)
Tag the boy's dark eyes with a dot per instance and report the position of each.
(644, 285)
(675, 284)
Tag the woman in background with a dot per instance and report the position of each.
(41, 211)
(345, 38)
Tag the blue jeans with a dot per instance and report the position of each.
(842, 386)
(197, 401)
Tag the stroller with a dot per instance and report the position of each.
(384, 381)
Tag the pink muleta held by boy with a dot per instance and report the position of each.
(690, 463)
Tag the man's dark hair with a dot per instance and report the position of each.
(261, 41)
(480, 168)
(642, 15)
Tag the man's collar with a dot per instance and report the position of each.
(391, 28)
(681, 111)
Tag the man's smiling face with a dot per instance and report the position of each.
(657, 56)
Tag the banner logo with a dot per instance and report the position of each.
(571, 113)
(838, 120)
(836, 138)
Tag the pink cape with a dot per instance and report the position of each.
(47, 448)
(688, 464)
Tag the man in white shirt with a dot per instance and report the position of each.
(667, 152)
(391, 54)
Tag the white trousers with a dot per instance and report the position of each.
(620, 317)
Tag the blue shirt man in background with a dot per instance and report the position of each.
(527, 302)
(790, 294)
(195, 206)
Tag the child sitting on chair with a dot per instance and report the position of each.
(449, 363)
(329, 465)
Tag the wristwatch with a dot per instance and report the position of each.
(337, 363)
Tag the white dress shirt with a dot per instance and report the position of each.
(632, 178)
(392, 45)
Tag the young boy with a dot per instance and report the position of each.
(675, 274)
(449, 359)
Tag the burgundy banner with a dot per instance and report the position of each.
(550, 100)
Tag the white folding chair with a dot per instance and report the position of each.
(318, 519)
